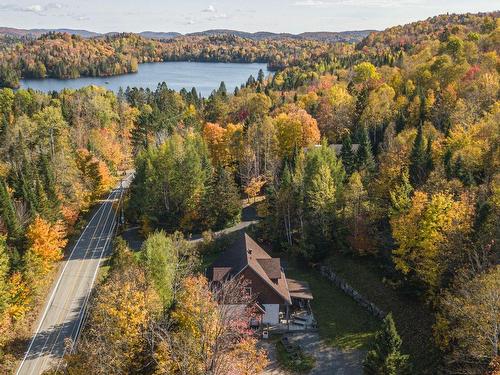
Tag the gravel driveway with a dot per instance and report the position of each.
(329, 361)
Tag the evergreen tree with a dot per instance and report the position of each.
(250, 81)
(323, 178)
(401, 196)
(463, 173)
(428, 155)
(222, 91)
(260, 76)
(418, 159)
(27, 187)
(347, 155)
(448, 169)
(400, 121)
(385, 357)
(221, 203)
(8, 213)
(364, 156)
(48, 180)
(43, 205)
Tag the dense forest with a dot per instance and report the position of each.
(388, 152)
(61, 55)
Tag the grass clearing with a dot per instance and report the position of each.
(341, 321)
(413, 318)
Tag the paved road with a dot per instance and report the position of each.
(248, 217)
(62, 315)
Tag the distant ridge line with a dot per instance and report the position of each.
(326, 36)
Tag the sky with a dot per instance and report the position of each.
(294, 16)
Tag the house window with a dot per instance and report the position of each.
(248, 291)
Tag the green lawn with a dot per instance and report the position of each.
(342, 322)
(413, 319)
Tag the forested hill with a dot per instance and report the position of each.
(325, 36)
(433, 28)
(342, 36)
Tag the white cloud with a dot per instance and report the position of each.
(34, 8)
(210, 9)
(215, 14)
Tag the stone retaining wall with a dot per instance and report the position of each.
(351, 292)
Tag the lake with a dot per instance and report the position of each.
(202, 75)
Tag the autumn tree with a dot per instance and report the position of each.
(96, 174)
(468, 320)
(429, 236)
(336, 113)
(259, 156)
(365, 73)
(357, 211)
(296, 129)
(45, 244)
(287, 201)
(210, 334)
(379, 110)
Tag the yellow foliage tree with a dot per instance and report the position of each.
(295, 130)
(336, 112)
(426, 232)
(254, 186)
(96, 174)
(45, 244)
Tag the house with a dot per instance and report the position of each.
(276, 295)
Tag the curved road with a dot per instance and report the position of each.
(64, 311)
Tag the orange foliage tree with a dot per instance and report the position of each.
(224, 144)
(45, 244)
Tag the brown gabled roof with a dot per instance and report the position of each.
(245, 252)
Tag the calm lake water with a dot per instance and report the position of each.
(204, 76)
